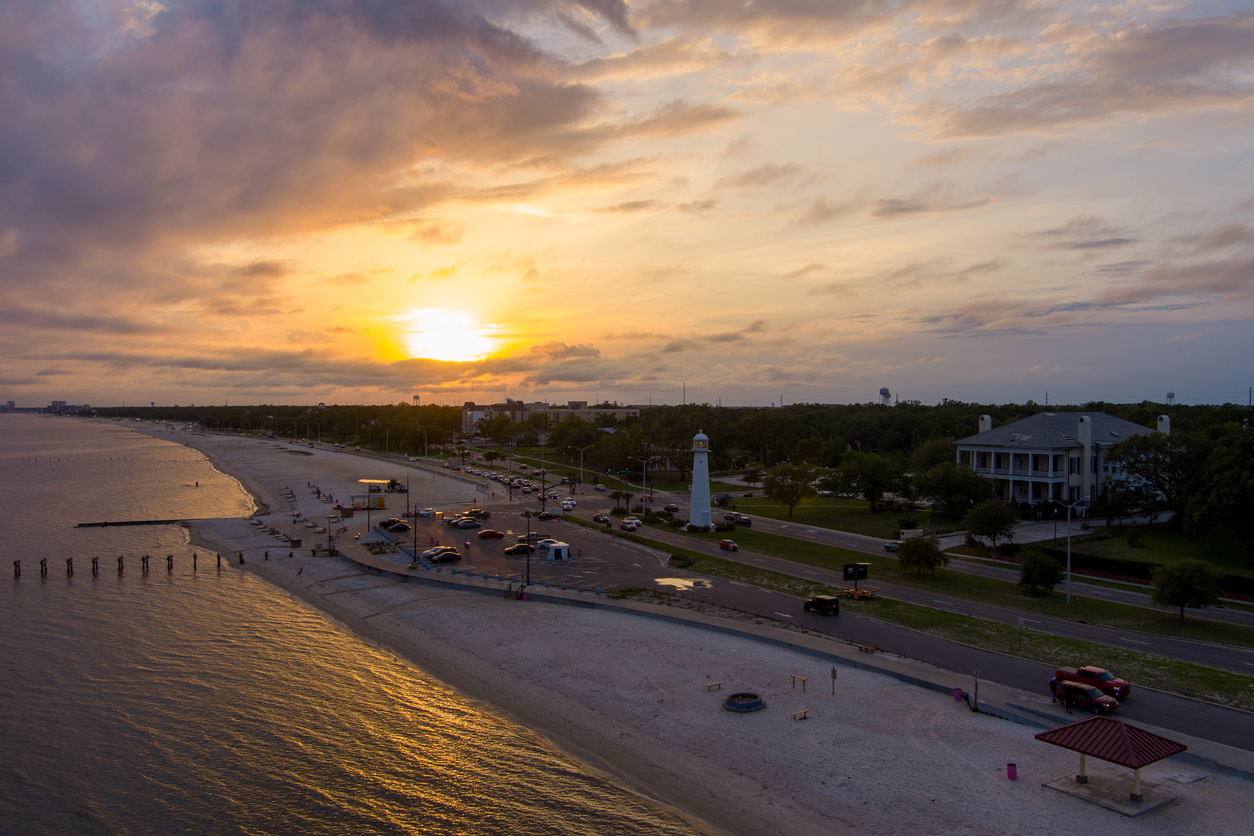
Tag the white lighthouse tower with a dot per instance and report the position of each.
(701, 516)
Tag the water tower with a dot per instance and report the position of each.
(885, 395)
(1171, 398)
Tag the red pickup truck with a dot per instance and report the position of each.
(1099, 678)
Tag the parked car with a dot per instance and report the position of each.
(1100, 678)
(603, 519)
(823, 605)
(466, 522)
(375, 489)
(490, 534)
(446, 557)
(389, 522)
(1083, 696)
(545, 516)
(519, 548)
(430, 554)
(427, 512)
(671, 509)
(400, 528)
(546, 542)
(477, 513)
(892, 545)
(728, 545)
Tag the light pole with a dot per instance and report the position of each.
(424, 443)
(544, 490)
(644, 482)
(581, 449)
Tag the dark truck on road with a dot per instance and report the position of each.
(823, 605)
(1100, 678)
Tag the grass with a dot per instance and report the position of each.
(1163, 546)
(991, 591)
(841, 514)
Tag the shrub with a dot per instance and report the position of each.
(907, 522)
(1009, 549)
(1135, 540)
(724, 527)
(1040, 573)
(682, 561)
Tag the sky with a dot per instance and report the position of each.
(729, 201)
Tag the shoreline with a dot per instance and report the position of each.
(598, 709)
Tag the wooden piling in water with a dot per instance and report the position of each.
(69, 567)
(95, 565)
(43, 567)
(193, 561)
(17, 569)
(121, 563)
(169, 563)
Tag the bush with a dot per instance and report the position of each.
(724, 527)
(974, 542)
(1009, 549)
(1040, 573)
(682, 561)
(907, 522)
(1135, 540)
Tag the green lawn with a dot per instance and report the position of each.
(840, 514)
(991, 591)
(1160, 545)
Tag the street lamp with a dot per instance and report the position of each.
(581, 449)
(644, 483)
(544, 490)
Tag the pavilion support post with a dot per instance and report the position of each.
(1136, 785)
(1083, 777)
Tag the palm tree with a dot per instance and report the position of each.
(617, 496)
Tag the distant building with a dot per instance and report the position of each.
(1050, 456)
(10, 406)
(473, 414)
(57, 407)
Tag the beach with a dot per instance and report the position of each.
(630, 695)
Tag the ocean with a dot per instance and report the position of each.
(209, 701)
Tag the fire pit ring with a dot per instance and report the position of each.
(744, 702)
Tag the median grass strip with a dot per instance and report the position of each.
(992, 591)
(842, 514)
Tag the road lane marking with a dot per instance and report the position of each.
(785, 615)
(946, 603)
(737, 583)
(1134, 641)
(1033, 620)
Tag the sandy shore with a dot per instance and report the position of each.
(628, 695)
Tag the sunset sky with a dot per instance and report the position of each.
(295, 201)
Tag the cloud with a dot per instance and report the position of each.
(768, 174)
(821, 210)
(1233, 279)
(1216, 239)
(438, 232)
(1087, 232)
(562, 351)
(629, 207)
(701, 208)
(670, 57)
(898, 207)
(808, 270)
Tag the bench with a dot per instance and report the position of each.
(712, 686)
(795, 677)
(868, 647)
(803, 714)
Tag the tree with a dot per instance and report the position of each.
(954, 488)
(921, 553)
(868, 475)
(1186, 583)
(1040, 573)
(788, 484)
(931, 453)
(491, 456)
(752, 476)
(1166, 463)
(994, 519)
(617, 496)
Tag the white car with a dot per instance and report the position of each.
(568, 506)
(427, 512)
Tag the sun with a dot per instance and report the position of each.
(439, 334)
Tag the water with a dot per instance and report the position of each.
(210, 702)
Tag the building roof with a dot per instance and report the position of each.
(1056, 429)
(1108, 739)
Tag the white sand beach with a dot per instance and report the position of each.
(628, 694)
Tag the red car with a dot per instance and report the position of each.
(490, 534)
(1099, 678)
(728, 545)
(1084, 696)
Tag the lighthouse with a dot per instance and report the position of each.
(701, 516)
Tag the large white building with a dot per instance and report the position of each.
(1050, 456)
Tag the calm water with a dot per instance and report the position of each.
(213, 703)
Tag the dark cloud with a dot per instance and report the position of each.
(62, 321)
(1229, 279)
(1216, 239)
(698, 207)
(821, 210)
(562, 351)
(767, 174)
(1087, 232)
(899, 207)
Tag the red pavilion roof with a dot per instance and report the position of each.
(1110, 740)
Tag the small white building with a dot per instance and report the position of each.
(1050, 456)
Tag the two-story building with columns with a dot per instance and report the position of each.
(1050, 456)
